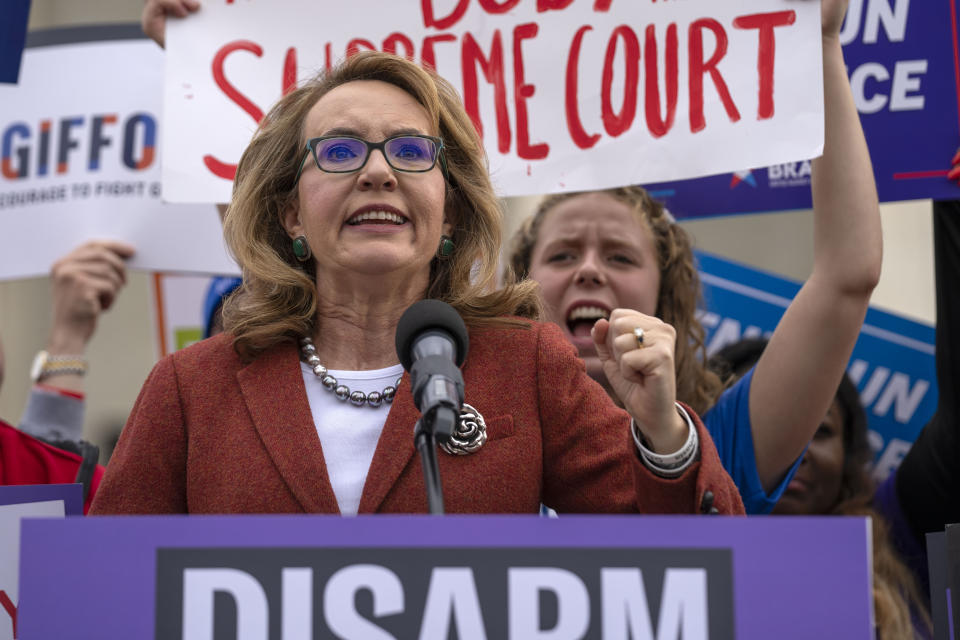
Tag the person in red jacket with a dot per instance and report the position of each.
(26, 460)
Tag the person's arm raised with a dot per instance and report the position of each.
(797, 376)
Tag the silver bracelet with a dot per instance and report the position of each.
(674, 464)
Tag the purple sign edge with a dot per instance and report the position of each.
(71, 494)
(792, 575)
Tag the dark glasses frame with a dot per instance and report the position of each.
(371, 146)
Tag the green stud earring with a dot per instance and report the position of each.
(301, 249)
(445, 250)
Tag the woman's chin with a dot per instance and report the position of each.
(386, 260)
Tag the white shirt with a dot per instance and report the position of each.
(348, 434)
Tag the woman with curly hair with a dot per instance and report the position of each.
(597, 253)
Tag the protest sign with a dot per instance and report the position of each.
(904, 67)
(892, 364)
(566, 94)
(79, 159)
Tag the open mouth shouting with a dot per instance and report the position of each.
(580, 319)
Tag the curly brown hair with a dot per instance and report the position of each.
(679, 284)
(278, 299)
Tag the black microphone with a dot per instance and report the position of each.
(432, 343)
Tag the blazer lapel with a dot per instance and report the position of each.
(272, 387)
(394, 449)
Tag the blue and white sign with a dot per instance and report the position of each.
(904, 69)
(892, 364)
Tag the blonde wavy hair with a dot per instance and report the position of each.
(277, 301)
(679, 292)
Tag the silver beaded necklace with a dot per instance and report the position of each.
(308, 353)
(471, 432)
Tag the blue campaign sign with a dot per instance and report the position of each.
(904, 67)
(892, 364)
(13, 35)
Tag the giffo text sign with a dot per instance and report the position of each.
(79, 158)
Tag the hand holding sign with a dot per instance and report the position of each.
(155, 12)
(86, 282)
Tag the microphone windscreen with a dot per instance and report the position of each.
(427, 315)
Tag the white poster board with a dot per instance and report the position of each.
(570, 94)
(79, 159)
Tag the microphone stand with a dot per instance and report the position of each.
(439, 421)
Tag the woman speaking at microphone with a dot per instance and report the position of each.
(363, 192)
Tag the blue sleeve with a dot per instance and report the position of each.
(728, 423)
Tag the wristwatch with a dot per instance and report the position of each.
(46, 365)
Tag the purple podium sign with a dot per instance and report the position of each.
(304, 577)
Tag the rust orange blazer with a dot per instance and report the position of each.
(212, 434)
